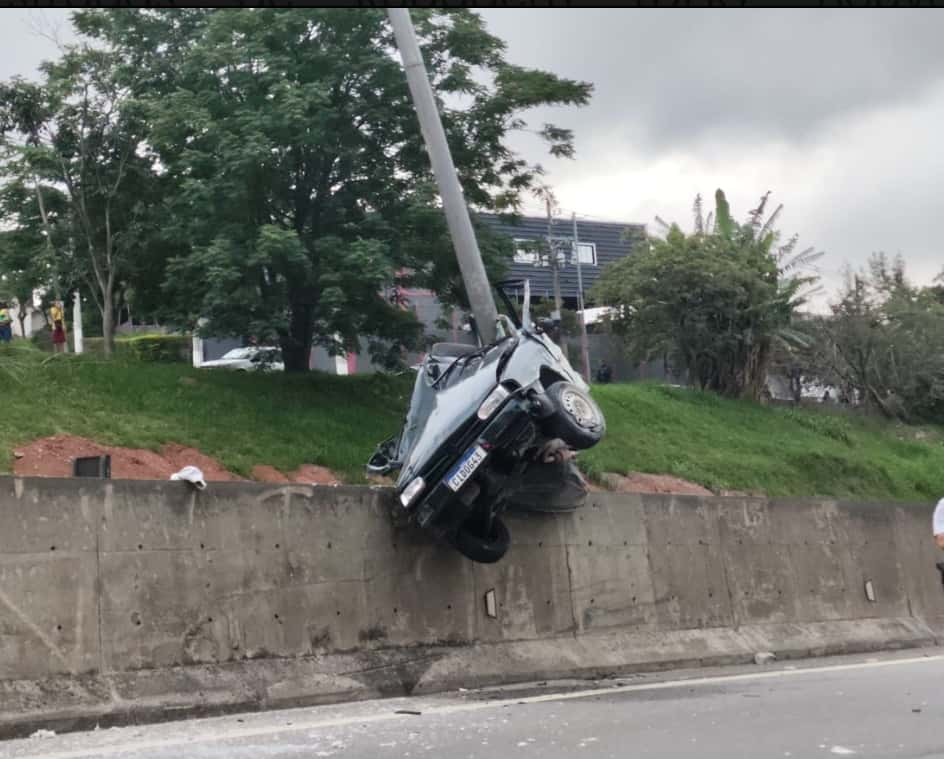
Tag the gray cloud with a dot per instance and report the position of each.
(668, 78)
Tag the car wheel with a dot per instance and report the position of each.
(485, 550)
(577, 419)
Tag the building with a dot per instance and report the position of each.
(598, 243)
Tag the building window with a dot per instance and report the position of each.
(528, 252)
(587, 252)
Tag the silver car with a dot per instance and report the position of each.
(491, 428)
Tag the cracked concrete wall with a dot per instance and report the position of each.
(115, 577)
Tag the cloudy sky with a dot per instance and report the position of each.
(837, 112)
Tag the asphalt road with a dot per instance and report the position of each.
(888, 705)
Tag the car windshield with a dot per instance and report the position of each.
(238, 353)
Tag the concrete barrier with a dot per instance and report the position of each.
(146, 600)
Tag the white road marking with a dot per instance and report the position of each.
(389, 716)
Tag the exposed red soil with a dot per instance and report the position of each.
(638, 482)
(53, 457)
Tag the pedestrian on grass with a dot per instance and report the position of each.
(6, 324)
(604, 373)
(938, 524)
(57, 317)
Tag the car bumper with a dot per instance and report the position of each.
(442, 509)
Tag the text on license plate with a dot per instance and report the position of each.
(465, 468)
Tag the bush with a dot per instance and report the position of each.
(164, 348)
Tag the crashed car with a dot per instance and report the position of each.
(492, 428)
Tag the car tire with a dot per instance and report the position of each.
(485, 550)
(577, 419)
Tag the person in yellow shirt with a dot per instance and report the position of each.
(6, 324)
(58, 327)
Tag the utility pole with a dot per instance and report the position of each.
(457, 213)
(554, 261)
(78, 339)
(581, 312)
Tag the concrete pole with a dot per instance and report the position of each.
(78, 338)
(457, 214)
(582, 313)
(554, 261)
(197, 344)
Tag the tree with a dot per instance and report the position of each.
(25, 264)
(716, 301)
(79, 132)
(884, 342)
(304, 188)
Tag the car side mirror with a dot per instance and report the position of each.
(545, 324)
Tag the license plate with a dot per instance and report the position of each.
(460, 473)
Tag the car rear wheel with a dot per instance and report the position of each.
(577, 419)
(485, 549)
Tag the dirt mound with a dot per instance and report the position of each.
(638, 482)
(307, 474)
(53, 457)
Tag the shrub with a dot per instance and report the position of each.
(164, 348)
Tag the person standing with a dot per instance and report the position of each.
(604, 373)
(57, 317)
(937, 526)
(6, 323)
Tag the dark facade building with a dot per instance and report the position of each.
(598, 242)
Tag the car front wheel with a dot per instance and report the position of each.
(577, 419)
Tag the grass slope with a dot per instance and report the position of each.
(286, 421)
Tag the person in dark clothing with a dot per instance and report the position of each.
(604, 373)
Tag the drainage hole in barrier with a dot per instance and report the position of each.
(339, 614)
(53, 548)
(59, 628)
(540, 544)
(202, 547)
(210, 620)
(277, 546)
(589, 542)
(449, 607)
(276, 616)
(329, 546)
(396, 610)
(140, 547)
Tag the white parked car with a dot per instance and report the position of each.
(254, 358)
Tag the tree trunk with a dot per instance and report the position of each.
(21, 317)
(296, 343)
(108, 322)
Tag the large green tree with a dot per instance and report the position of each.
(78, 132)
(716, 300)
(884, 342)
(304, 190)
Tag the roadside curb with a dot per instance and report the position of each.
(150, 696)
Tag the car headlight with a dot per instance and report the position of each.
(490, 405)
(412, 491)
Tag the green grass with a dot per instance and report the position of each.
(241, 419)
(734, 445)
(285, 421)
